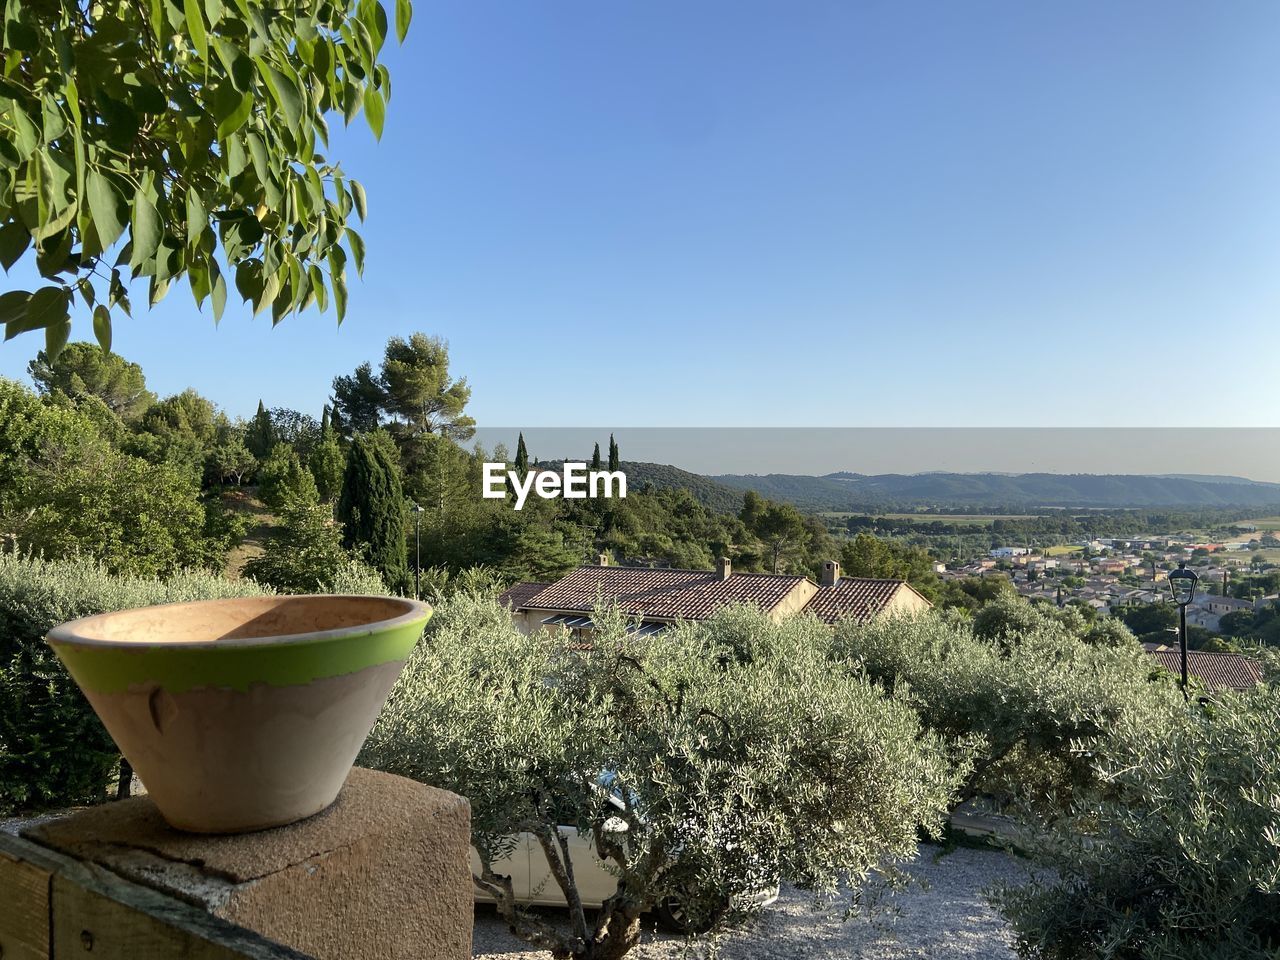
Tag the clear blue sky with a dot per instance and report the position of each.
(802, 213)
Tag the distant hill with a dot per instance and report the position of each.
(856, 492)
(715, 496)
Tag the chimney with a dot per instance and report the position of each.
(602, 560)
(830, 573)
(724, 568)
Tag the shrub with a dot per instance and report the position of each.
(438, 583)
(66, 490)
(305, 555)
(738, 755)
(1031, 697)
(282, 478)
(1181, 858)
(53, 749)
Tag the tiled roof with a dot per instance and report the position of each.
(1217, 670)
(518, 595)
(665, 594)
(857, 598)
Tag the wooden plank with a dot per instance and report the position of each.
(97, 912)
(24, 919)
(87, 922)
(73, 909)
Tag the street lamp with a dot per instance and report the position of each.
(417, 548)
(1182, 584)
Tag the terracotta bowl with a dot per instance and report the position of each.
(247, 713)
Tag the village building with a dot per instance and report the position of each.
(656, 598)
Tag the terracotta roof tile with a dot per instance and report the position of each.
(517, 595)
(1217, 670)
(857, 598)
(664, 594)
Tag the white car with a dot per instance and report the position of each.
(533, 884)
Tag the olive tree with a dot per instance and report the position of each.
(1179, 858)
(734, 756)
(1030, 699)
(172, 139)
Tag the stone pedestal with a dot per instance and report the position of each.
(384, 873)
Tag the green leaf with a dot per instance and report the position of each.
(239, 67)
(339, 296)
(359, 198)
(147, 231)
(356, 243)
(374, 17)
(102, 326)
(55, 124)
(338, 280)
(219, 291)
(107, 206)
(197, 217)
(237, 159)
(249, 280)
(258, 151)
(15, 327)
(198, 278)
(13, 305)
(195, 27)
(55, 338)
(404, 14)
(375, 110)
(318, 287)
(270, 289)
(231, 109)
(14, 241)
(49, 305)
(284, 91)
(28, 137)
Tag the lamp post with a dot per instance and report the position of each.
(1182, 584)
(417, 548)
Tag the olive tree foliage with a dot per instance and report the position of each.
(1180, 859)
(738, 756)
(1031, 700)
(166, 140)
(1009, 617)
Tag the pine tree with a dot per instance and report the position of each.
(522, 458)
(595, 458)
(371, 509)
(615, 461)
(260, 437)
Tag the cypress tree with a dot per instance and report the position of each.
(522, 458)
(326, 429)
(371, 509)
(615, 461)
(595, 458)
(260, 437)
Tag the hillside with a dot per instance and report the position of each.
(715, 496)
(854, 492)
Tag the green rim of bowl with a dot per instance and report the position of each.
(113, 666)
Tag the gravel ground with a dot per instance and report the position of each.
(944, 918)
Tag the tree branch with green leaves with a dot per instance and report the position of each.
(172, 140)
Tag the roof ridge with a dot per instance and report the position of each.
(712, 573)
(875, 579)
